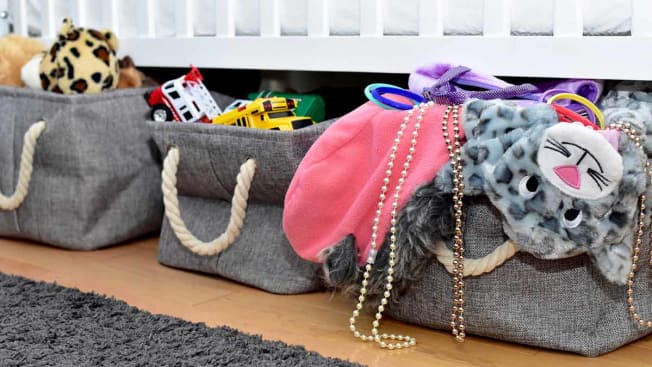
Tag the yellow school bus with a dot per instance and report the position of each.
(273, 113)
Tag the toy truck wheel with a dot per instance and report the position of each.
(161, 112)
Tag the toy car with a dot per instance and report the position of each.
(184, 99)
(236, 104)
(273, 113)
(310, 105)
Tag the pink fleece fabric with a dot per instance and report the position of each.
(335, 191)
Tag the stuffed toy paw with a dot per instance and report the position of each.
(29, 72)
(80, 61)
(15, 52)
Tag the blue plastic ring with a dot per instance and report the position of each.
(367, 93)
(378, 93)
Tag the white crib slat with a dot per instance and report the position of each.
(568, 18)
(82, 13)
(150, 16)
(641, 12)
(496, 18)
(270, 24)
(185, 9)
(431, 19)
(318, 18)
(225, 18)
(5, 23)
(112, 10)
(50, 25)
(20, 18)
(371, 18)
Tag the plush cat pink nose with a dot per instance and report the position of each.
(570, 174)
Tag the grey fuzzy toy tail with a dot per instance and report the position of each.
(340, 265)
(426, 218)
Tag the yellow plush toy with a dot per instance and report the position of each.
(15, 52)
(81, 61)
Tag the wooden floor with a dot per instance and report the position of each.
(318, 321)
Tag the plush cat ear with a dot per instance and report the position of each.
(612, 254)
(484, 120)
(631, 105)
(493, 127)
(614, 262)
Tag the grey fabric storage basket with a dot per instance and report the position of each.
(96, 172)
(557, 304)
(210, 158)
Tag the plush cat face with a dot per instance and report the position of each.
(578, 161)
(563, 189)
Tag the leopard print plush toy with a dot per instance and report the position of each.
(80, 61)
(562, 189)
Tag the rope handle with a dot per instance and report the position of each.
(475, 267)
(14, 201)
(173, 214)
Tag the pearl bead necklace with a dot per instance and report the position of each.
(389, 341)
(455, 155)
(634, 136)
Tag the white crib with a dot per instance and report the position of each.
(563, 38)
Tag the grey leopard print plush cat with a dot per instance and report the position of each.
(561, 189)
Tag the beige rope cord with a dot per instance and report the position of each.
(474, 267)
(238, 207)
(25, 170)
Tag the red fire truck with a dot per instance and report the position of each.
(184, 99)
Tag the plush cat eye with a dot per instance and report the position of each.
(572, 218)
(528, 186)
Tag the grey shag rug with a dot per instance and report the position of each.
(44, 324)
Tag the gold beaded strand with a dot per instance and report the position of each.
(634, 135)
(455, 154)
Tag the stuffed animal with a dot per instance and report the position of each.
(80, 61)
(562, 189)
(15, 52)
(131, 77)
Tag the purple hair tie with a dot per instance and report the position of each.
(445, 92)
